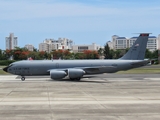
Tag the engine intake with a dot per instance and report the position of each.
(57, 74)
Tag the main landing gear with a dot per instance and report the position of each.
(77, 79)
(23, 78)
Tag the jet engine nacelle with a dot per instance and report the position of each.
(75, 73)
(57, 74)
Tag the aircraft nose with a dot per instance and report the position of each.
(5, 69)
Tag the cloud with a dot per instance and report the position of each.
(52, 15)
(28, 10)
(40, 16)
(19, 10)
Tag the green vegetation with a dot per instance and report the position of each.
(3, 73)
(1, 66)
(143, 70)
(24, 54)
(6, 62)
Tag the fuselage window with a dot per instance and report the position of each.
(20, 68)
(115, 65)
(57, 65)
(10, 65)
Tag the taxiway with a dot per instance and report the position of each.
(106, 96)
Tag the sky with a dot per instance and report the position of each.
(83, 21)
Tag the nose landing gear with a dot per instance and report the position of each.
(23, 78)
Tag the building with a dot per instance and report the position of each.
(158, 42)
(114, 37)
(11, 42)
(50, 44)
(123, 42)
(44, 47)
(81, 48)
(29, 47)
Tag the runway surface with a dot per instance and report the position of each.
(97, 97)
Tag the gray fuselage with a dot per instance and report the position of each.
(42, 67)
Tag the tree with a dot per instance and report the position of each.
(148, 54)
(78, 56)
(1, 54)
(100, 52)
(8, 53)
(155, 54)
(35, 50)
(20, 53)
(66, 54)
(107, 51)
(88, 54)
(127, 49)
(118, 54)
(112, 54)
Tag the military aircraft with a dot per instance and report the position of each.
(76, 69)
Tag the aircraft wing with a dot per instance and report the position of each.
(142, 63)
(86, 69)
(96, 69)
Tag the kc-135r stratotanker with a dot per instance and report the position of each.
(76, 69)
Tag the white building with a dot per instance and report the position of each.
(44, 47)
(152, 43)
(114, 37)
(158, 42)
(50, 44)
(11, 42)
(81, 48)
(29, 47)
(121, 43)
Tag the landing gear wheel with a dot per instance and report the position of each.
(23, 78)
(78, 79)
(72, 78)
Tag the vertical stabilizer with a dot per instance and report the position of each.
(138, 49)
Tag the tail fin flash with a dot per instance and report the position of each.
(138, 49)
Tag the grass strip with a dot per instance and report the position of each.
(3, 73)
(141, 71)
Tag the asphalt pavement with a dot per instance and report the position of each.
(96, 97)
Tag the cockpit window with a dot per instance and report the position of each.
(10, 65)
